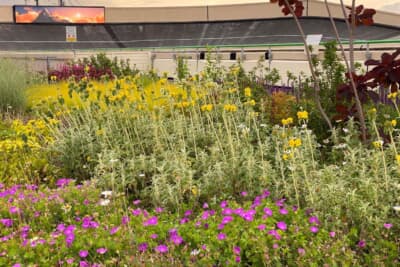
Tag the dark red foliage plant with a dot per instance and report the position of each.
(362, 16)
(296, 5)
(78, 71)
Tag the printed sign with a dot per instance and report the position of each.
(58, 15)
(71, 35)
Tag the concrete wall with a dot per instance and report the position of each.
(6, 14)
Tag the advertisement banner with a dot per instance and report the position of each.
(58, 15)
(71, 35)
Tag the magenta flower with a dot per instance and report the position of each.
(261, 227)
(224, 204)
(6, 222)
(244, 193)
(236, 250)
(142, 247)
(83, 264)
(136, 212)
(268, 212)
(159, 210)
(114, 230)
(332, 234)
(176, 239)
(221, 236)
(188, 213)
(17, 265)
(281, 225)
(387, 225)
(314, 229)
(151, 221)
(283, 211)
(237, 259)
(265, 194)
(125, 220)
(314, 220)
(153, 236)
(70, 260)
(301, 251)
(227, 219)
(162, 249)
(361, 243)
(14, 210)
(101, 251)
(63, 182)
(205, 205)
(275, 246)
(184, 220)
(227, 211)
(136, 202)
(83, 253)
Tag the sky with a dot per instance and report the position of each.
(378, 4)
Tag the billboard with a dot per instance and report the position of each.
(58, 14)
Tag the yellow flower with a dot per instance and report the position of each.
(392, 96)
(207, 107)
(230, 108)
(287, 156)
(287, 121)
(247, 92)
(232, 90)
(296, 142)
(394, 123)
(377, 144)
(87, 68)
(251, 102)
(398, 159)
(302, 115)
(53, 78)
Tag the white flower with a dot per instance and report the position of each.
(396, 208)
(106, 194)
(142, 175)
(195, 252)
(113, 160)
(104, 202)
(345, 130)
(263, 125)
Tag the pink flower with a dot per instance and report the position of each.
(161, 249)
(236, 250)
(153, 236)
(114, 230)
(142, 247)
(301, 251)
(221, 236)
(237, 259)
(101, 251)
(314, 220)
(83, 253)
(268, 211)
(151, 221)
(244, 193)
(387, 225)
(136, 202)
(261, 227)
(332, 234)
(314, 229)
(159, 210)
(361, 243)
(224, 204)
(281, 225)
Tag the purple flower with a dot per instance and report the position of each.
(265, 194)
(7, 222)
(70, 260)
(221, 236)
(14, 210)
(176, 239)
(125, 220)
(295, 208)
(114, 230)
(314, 220)
(244, 193)
(237, 259)
(161, 249)
(227, 211)
(188, 213)
(83, 264)
(301, 251)
(387, 225)
(17, 265)
(151, 221)
(184, 220)
(224, 204)
(136, 212)
(227, 219)
(275, 246)
(142, 247)
(101, 251)
(63, 182)
(153, 236)
(314, 229)
(332, 234)
(136, 202)
(205, 205)
(280, 202)
(281, 225)
(159, 210)
(236, 250)
(261, 227)
(268, 211)
(283, 211)
(361, 243)
(83, 253)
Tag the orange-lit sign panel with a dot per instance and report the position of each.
(61, 15)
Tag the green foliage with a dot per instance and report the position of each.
(13, 82)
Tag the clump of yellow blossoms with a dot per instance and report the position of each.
(207, 107)
(398, 159)
(230, 108)
(377, 144)
(287, 121)
(392, 96)
(302, 115)
(295, 142)
(247, 92)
